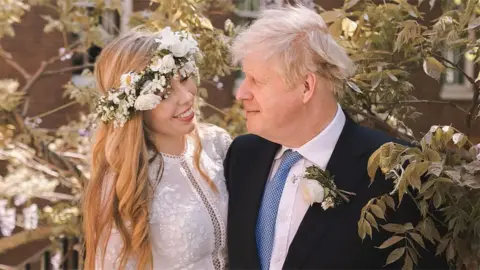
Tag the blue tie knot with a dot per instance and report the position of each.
(289, 158)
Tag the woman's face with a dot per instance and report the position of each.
(174, 116)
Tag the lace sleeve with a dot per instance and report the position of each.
(216, 140)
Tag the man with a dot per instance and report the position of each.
(294, 71)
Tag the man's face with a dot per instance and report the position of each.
(270, 105)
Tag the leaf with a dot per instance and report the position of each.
(427, 185)
(368, 228)
(408, 263)
(361, 229)
(435, 168)
(455, 175)
(206, 23)
(437, 200)
(411, 176)
(433, 67)
(466, 15)
(408, 226)
(423, 208)
(372, 220)
(442, 246)
(354, 87)
(395, 228)
(450, 252)
(349, 4)
(331, 15)
(428, 194)
(459, 139)
(390, 202)
(418, 239)
(413, 254)
(391, 241)
(382, 205)
(451, 223)
(335, 28)
(373, 163)
(433, 155)
(395, 255)
(472, 167)
(392, 77)
(377, 211)
(443, 180)
(414, 180)
(421, 168)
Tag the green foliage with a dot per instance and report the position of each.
(442, 176)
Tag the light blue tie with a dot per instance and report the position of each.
(265, 229)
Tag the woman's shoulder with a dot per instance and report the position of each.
(212, 132)
(215, 137)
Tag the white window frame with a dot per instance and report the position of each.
(459, 91)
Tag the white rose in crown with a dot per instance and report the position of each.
(313, 191)
(147, 102)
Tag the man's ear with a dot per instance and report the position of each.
(309, 87)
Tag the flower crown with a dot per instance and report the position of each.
(143, 91)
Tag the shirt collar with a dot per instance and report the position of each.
(319, 149)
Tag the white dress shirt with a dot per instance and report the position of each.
(293, 207)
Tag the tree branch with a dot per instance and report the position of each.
(55, 110)
(456, 66)
(383, 124)
(473, 108)
(406, 102)
(26, 237)
(63, 166)
(29, 84)
(67, 69)
(9, 59)
(476, 91)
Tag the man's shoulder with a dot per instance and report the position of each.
(371, 139)
(249, 141)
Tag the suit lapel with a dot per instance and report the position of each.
(317, 221)
(257, 174)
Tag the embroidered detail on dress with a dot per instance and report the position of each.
(218, 261)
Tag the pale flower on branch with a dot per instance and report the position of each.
(7, 221)
(25, 181)
(19, 199)
(56, 260)
(30, 217)
(32, 122)
(64, 55)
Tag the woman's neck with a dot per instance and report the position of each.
(170, 145)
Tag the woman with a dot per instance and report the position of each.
(156, 198)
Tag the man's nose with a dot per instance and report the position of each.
(243, 92)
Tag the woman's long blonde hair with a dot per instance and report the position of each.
(118, 193)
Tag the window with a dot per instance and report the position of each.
(112, 23)
(454, 85)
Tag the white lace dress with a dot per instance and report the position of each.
(188, 219)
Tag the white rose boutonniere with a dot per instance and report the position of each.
(319, 187)
(313, 191)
